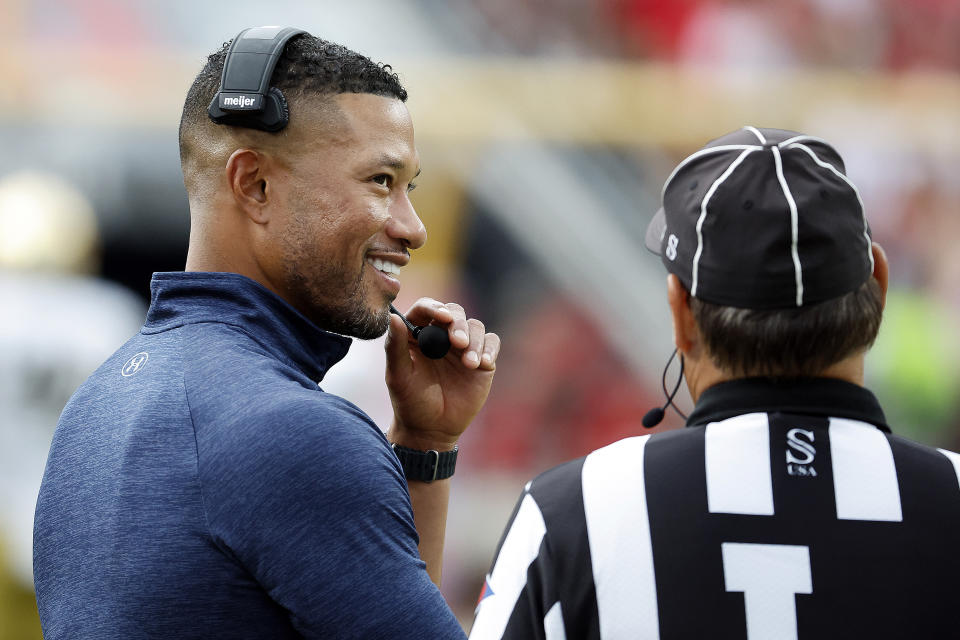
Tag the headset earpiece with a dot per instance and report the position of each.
(245, 98)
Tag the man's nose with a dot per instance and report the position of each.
(405, 224)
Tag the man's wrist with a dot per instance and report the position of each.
(421, 439)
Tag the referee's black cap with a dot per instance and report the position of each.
(763, 219)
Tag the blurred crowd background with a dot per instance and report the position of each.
(546, 129)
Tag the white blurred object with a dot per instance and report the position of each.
(45, 224)
(55, 329)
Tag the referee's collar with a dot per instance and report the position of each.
(827, 397)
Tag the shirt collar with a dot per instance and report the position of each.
(180, 298)
(808, 396)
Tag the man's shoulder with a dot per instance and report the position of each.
(918, 448)
(233, 382)
(554, 487)
(290, 435)
(252, 410)
(619, 453)
(922, 458)
(282, 412)
(213, 349)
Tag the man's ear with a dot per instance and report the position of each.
(245, 172)
(685, 334)
(881, 269)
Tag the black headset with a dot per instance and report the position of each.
(245, 98)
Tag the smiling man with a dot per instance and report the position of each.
(200, 483)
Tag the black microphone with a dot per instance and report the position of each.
(655, 416)
(432, 340)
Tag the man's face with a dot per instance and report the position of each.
(345, 220)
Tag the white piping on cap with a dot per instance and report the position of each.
(797, 270)
(796, 139)
(757, 133)
(827, 165)
(747, 150)
(703, 152)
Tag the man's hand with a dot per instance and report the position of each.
(435, 400)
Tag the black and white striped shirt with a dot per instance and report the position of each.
(790, 512)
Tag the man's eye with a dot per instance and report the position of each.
(382, 179)
(411, 187)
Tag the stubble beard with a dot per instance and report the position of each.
(354, 318)
(335, 303)
(331, 297)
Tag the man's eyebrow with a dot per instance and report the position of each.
(395, 163)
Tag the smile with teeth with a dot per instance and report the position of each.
(390, 268)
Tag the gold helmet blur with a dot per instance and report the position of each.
(46, 224)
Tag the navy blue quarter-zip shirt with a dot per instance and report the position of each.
(201, 485)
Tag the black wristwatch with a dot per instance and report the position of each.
(426, 466)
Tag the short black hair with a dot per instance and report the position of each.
(797, 342)
(309, 66)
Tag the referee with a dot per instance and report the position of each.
(786, 509)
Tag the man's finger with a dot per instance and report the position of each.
(450, 316)
(397, 348)
(457, 329)
(427, 310)
(491, 349)
(471, 354)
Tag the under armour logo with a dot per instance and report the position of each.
(672, 243)
(134, 364)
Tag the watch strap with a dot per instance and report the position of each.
(426, 466)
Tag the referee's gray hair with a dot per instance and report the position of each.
(803, 341)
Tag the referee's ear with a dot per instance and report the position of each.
(881, 270)
(686, 336)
